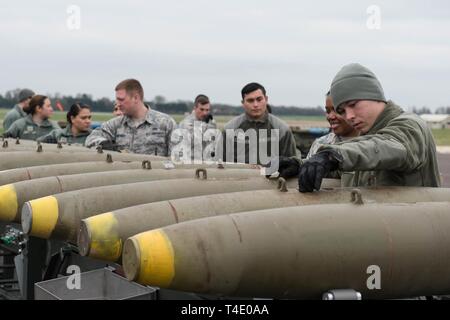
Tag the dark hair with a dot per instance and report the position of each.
(252, 87)
(201, 99)
(131, 86)
(35, 102)
(75, 110)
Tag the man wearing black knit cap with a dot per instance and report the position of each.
(395, 148)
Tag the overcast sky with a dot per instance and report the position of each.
(181, 48)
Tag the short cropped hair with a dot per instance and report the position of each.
(131, 86)
(201, 99)
(252, 87)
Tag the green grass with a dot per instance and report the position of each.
(441, 136)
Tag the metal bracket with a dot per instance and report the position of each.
(356, 197)
(5, 144)
(39, 147)
(146, 164)
(59, 145)
(109, 158)
(18, 140)
(99, 149)
(282, 185)
(197, 173)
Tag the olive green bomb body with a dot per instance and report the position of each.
(20, 159)
(102, 236)
(36, 172)
(8, 145)
(380, 250)
(13, 196)
(58, 216)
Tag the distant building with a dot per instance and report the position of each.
(437, 121)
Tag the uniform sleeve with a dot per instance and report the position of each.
(399, 147)
(171, 126)
(48, 138)
(106, 132)
(8, 121)
(314, 147)
(13, 131)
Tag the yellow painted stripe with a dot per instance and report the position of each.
(8, 203)
(105, 241)
(157, 258)
(44, 216)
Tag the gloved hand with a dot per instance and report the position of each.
(287, 167)
(109, 145)
(208, 118)
(313, 170)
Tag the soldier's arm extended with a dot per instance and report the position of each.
(8, 121)
(106, 132)
(51, 137)
(400, 146)
(12, 132)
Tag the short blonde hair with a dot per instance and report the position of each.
(131, 86)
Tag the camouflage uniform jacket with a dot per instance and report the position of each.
(230, 148)
(197, 129)
(65, 136)
(26, 129)
(150, 136)
(398, 150)
(331, 138)
(12, 115)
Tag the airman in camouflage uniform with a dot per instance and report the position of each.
(65, 136)
(196, 125)
(341, 129)
(18, 112)
(139, 130)
(150, 136)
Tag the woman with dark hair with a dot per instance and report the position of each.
(36, 124)
(77, 129)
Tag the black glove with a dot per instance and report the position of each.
(287, 167)
(109, 145)
(208, 118)
(313, 170)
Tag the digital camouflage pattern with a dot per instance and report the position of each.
(150, 136)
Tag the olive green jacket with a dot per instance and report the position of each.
(12, 115)
(268, 131)
(64, 136)
(399, 150)
(25, 128)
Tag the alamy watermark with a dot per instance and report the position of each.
(374, 280)
(74, 280)
(73, 21)
(234, 145)
(374, 19)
